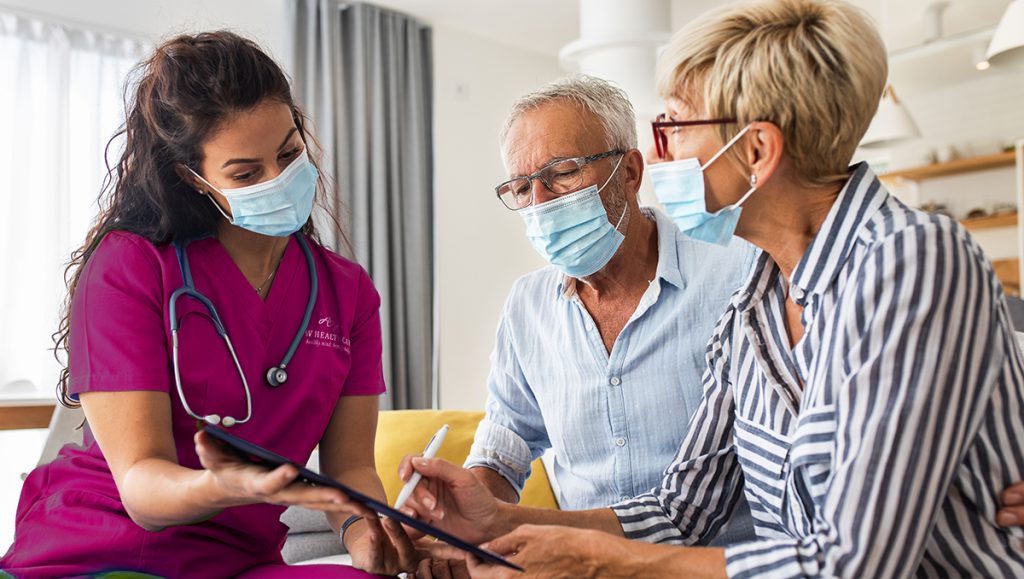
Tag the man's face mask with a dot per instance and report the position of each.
(573, 232)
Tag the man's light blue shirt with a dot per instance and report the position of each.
(611, 420)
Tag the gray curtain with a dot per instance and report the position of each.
(363, 74)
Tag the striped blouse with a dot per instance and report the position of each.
(879, 445)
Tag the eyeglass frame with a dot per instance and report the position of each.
(581, 161)
(661, 139)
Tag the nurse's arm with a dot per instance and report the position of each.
(133, 430)
(347, 453)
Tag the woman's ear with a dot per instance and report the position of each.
(191, 180)
(764, 148)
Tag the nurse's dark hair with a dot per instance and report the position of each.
(174, 101)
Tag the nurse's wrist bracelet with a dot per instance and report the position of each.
(344, 527)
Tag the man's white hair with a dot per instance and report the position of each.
(607, 102)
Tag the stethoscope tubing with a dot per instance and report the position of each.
(188, 289)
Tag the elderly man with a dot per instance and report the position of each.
(599, 354)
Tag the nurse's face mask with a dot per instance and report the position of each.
(572, 232)
(277, 207)
(679, 186)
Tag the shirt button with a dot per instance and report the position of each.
(590, 326)
(798, 294)
(620, 441)
(624, 498)
(615, 382)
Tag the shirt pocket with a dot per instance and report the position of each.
(762, 455)
(812, 455)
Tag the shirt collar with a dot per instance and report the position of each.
(861, 197)
(668, 255)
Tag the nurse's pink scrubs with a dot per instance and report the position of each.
(70, 520)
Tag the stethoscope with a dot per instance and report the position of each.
(276, 375)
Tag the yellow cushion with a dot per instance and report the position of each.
(402, 432)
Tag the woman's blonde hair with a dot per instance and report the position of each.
(814, 68)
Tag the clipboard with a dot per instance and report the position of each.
(258, 455)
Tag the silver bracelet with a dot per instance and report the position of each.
(344, 527)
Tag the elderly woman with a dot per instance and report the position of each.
(864, 388)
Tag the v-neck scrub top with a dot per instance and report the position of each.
(70, 520)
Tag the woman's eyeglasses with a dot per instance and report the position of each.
(661, 123)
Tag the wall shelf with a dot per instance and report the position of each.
(1008, 272)
(956, 167)
(991, 222)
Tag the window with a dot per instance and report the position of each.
(60, 101)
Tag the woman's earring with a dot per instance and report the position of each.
(753, 180)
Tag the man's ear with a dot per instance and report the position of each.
(632, 168)
(763, 150)
(191, 180)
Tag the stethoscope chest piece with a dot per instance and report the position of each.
(276, 376)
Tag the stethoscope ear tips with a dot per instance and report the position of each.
(276, 376)
(216, 420)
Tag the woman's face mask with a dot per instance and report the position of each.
(679, 186)
(278, 207)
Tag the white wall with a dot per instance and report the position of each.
(481, 246)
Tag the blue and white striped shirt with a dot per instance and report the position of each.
(878, 446)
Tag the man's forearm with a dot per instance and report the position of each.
(497, 484)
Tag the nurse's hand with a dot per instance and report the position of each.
(237, 482)
(453, 499)
(382, 547)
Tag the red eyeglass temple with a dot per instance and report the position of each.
(661, 140)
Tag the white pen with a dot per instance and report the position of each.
(430, 452)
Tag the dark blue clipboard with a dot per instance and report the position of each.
(258, 455)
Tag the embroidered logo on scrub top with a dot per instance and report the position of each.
(325, 334)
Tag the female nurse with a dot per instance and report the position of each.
(214, 189)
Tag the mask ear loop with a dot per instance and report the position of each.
(753, 187)
(608, 180)
(210, 197)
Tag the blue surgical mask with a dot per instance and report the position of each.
(679, 186)
(278, 207)
(573, 232)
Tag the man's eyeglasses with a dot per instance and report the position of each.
(560, 177)
(661, 123)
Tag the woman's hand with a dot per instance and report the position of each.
(549, 552)
(453, 499)
(239, 483)
(382, 547)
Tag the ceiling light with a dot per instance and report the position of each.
(892, 123)
(1007, 47)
